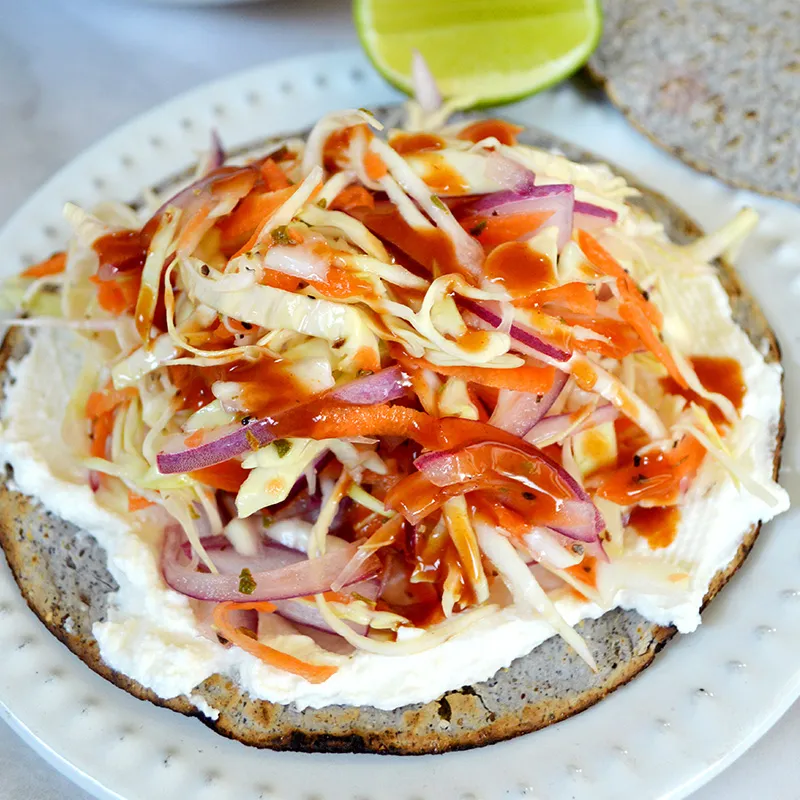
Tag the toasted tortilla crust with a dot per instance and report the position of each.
(690, 78)
(62, 575)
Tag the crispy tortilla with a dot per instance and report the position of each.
(62, 574)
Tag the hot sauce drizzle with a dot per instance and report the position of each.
(658, 525)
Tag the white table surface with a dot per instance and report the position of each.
(71, 71)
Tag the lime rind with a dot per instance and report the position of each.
(494, 86)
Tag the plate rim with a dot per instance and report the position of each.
(350, 60)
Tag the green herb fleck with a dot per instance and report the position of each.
(280, 235)
(357, 596)
(529, 495)
(437, 201)
(479, 228)
(322, 202)
(246, 583)
(282, 446)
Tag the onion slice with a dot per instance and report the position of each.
(426, 92)
(524, 340)
(519, 412)
(551, 429)
(294, 577)
(578, 517)
(557, 198)
(380, 387)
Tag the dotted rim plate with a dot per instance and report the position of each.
(705, 700)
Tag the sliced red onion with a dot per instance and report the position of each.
(559, 198)
(426, 92)
(303, 506)
(190, 194)
(511, 175)
(305, 612)
(285, 574)
(216, 153)
(268, 558)
(549, 427)
(524, 340)
(591, 210)
(582, 521)
(518, 412)
(208, 543)
(380, 387)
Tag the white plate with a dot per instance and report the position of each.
(707, 697)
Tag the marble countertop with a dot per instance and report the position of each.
(73, 70)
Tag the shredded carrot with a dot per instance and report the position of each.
(318, 421)
(227, 476)
(117, 296)
(239, 231)
(280, 280)
(374, 166)
(274, 177)
(50, 266)
(525, 378)
(504, 132)
(340, 284)
(353, 197)
(136, 502)
(313, 673)
(576, 297)
(194, 439)
(491, 232)
(101, 402)
(634, 309)
(608, 265)
(102, 428)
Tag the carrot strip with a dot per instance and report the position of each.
(526, 378)
(491, 232)
(102, 402)
(338, 422)
(227, 476)
(313, 673)
(136, 502)
(102, 428)
(353, 197)
(374, 166)
(117, 296)
(576, 297)
(194, 439)
(246, 219)
(608, 265)
(50, 266)
(634, 309)
(274, 177)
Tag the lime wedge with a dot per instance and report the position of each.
(487, 51)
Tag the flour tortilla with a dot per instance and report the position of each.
(62, 574)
